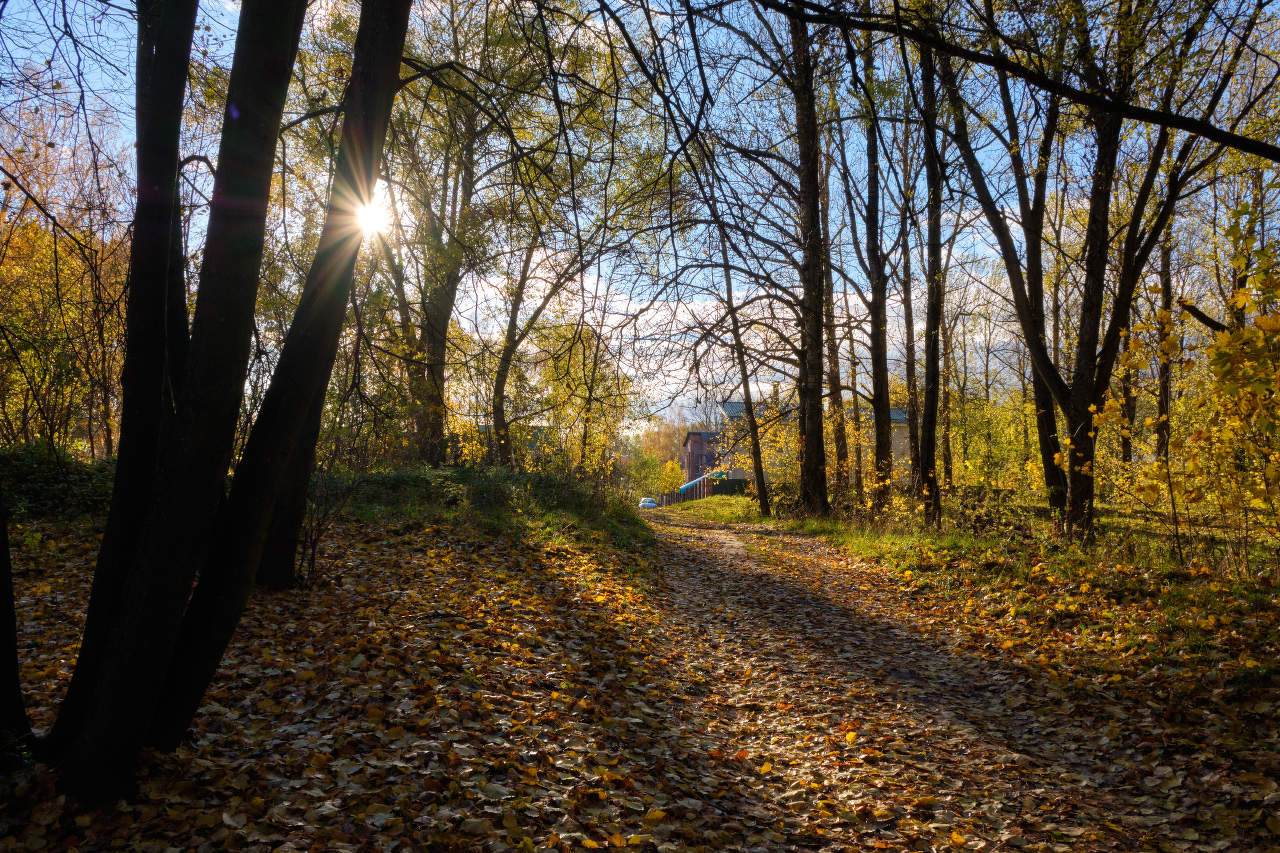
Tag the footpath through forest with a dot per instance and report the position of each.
(723, 687)
(881, 727)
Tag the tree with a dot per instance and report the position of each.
(121, 689)
(299, 381)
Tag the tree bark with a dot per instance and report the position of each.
(1084, 390)
(439, 311)
(301, 375)
(278, 568)
(945, 405)
(15, 728)
(879, 293)
(748, 404)
(835, 402)
(1164, 399)
(197, 440)
(909, 353)
(165, 32)
(1026, 282)
(935, 290)
(813, 461)
(859, 488)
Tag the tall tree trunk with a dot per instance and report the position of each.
(165, 32)
(1128, 408)
(15, 728)
(935, 289)
(855, 398)
(1164, 399)
(1084, 390)
(813, 462)
(879, 287)
(278, 568)
(511, 340)
(439, 311)
(835, 402)
(945, 405)
(301, 374)
(744, 375)
(909, 351)
(197, 441)
(1027, 283)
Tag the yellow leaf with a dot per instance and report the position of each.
(957, 840)
(654, 815)
(590, 845)
(766, 767)
(850, 737)
(617, 840)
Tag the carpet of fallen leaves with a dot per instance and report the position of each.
(734, 688)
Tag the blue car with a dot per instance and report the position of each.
(648, 503)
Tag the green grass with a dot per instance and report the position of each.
(724, 508)
(501, 502)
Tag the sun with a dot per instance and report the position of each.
(373, 218)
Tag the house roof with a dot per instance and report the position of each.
(733, 409)
(705, 433)
(897, 416)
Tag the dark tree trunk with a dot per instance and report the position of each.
(835, 403)
(748, 404)
(511, 340)
(1026, 282)
(439, 311)
(1128, 409)
(501, 428)
(278, 568)
(15, 728)
(165, 32)
(301, 375)
(935, 290)
(813, 461)
(1086, 389)
(197, 439)
(945, 405)
(878, 304)
(1164, 399)
(1055, 479)
(432, 408)
(859, 489)
(909, 351)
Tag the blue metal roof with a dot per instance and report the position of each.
(897, 416)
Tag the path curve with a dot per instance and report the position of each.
(875, 733)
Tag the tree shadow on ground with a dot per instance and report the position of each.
(1059, 740)
(615, 745)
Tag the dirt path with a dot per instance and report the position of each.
(873, 733)
(454, 690)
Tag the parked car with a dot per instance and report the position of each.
(648, 503)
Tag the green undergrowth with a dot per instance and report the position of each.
(54, 497)
(1064, 604)
(38, 483)
(542, 507)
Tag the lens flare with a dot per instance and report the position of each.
(373, 218)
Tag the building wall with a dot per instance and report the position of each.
(699, 455)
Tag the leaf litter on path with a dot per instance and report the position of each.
(735, 689)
